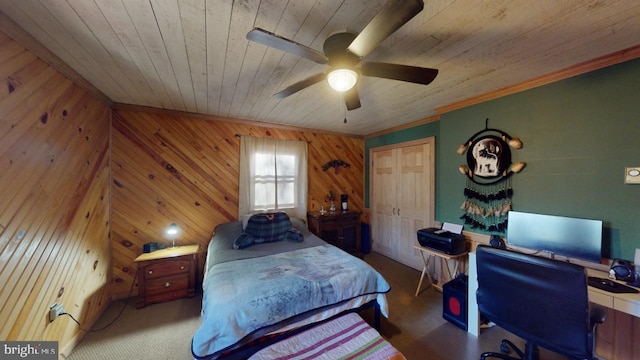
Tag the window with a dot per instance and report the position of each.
(274, 181)
(273, 176)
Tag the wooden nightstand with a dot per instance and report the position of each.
(167, 274)
(341, 229)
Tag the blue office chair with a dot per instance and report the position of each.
(541, 300)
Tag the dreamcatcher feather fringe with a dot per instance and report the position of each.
(486, 206)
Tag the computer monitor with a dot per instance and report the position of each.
(557, 235)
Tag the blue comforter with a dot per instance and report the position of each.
(248, 298)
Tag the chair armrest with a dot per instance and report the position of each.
(597, 314)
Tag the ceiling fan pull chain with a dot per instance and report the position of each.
(345, 111)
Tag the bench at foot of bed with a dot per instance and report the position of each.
(346, 336)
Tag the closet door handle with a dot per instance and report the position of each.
(394, 211)
(398, 211)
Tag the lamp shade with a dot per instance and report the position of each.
(342, 79)
(172, 229)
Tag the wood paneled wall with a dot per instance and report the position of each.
(169, 168)
(54, 200)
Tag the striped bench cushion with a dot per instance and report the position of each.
(346, 337)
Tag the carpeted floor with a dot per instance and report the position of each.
(415, 326)
(161, 331)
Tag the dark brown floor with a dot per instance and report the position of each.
(416, 326)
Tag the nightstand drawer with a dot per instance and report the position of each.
(168, 296)
(161, 290)
(167, 284)
(164, 268)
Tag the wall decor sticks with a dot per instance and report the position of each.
(336, 164)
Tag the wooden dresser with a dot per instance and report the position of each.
(341, 229)
(167, 274)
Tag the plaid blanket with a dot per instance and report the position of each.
(267, 227)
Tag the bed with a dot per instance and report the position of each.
(265, 292)
(346, 337)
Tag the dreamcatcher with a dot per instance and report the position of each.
(486, 207)
(488, 190)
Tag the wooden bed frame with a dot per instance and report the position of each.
(258, 344)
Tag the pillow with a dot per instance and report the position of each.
(298, 223)
(294, 235)
(245, 220)
(267, 227)
(243, 241)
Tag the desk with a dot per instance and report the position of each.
(627, 303)
(445, 260)
(624, 302)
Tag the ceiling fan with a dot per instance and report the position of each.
(344, 51)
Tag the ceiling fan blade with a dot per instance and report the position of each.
(352, 98)
(270, 39)
(390, 18)
(414, 74)
(294, 88)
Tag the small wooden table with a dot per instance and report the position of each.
(167, 274)
(340, 228)
(445, 260)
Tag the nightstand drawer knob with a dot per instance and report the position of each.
(167, 284)
(182, 267)
(150, 272)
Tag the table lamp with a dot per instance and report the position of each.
(172, 231)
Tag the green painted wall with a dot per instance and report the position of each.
(579, 134)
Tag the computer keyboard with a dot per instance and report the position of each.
(610, 285)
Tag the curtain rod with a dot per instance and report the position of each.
(238, 135)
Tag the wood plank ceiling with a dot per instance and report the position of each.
(192, 55)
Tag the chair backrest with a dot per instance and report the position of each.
(541, 300)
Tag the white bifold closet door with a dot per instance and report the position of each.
(402, 199)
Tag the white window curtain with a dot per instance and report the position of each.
(273, 176)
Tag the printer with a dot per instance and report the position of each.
(442, 240)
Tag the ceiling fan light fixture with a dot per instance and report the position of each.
(342, 79)
(344, 50)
